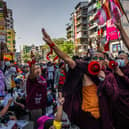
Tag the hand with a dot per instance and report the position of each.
(119, 72)
(61, 100)
(10, 101)
(32, 56)
(102, 74)
(22, 106)
(12, 118)
(60, 95)
(46, 37)
(106, 62)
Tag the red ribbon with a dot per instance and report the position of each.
(31, 62)
(51, 52)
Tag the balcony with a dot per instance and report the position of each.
(92, 17)
(81, 14)
(69, 31)
(84, 36)
(78, 29)
(82, 22)
(82, 29)
(90, 2)
(92, 7)
(78, 23)
(93, 26)
(93, 35)
(79, 35)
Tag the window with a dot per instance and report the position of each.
(9, 41)
(116, 47)
(9, 37)
(9, 32)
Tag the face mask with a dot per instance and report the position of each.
(101, 79)
(121, 63)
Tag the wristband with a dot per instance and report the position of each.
(57, 124)
(33, 62)
(51, 45)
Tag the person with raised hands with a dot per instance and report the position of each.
(88, 98)
(121, 112)
(36, 88)
(5, 109)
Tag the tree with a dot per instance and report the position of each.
(65, 46)
(26, 57)
(68, 47)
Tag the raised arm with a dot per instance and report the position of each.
(124, 35)
(32, 66)
(61, 54)
(5, 109)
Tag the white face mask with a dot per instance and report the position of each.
(101, 79)
(121, 63)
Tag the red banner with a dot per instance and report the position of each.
(112, 32)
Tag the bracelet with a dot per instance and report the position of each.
(51, 45)
(33, 62)
(57, 124)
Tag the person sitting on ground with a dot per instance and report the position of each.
(4, 111)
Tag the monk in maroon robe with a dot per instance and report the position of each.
(121, 113)
(88, 98)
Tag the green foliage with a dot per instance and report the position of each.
(65, 46)
(26, 57)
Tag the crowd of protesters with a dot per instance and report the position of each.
(29, 90)
(90, 92)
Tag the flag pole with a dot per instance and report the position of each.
(124, 11)
(126, 17)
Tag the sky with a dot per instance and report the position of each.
(31, 15)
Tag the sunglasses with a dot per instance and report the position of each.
(96, 58)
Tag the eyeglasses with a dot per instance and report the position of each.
(96, 58)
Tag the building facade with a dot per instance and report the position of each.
(77, 28)
(3, 33)
(3, 16)
(7, 33)
(10, 31)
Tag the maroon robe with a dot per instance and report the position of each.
(107, 93)
(121, 113)
(36, 93)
